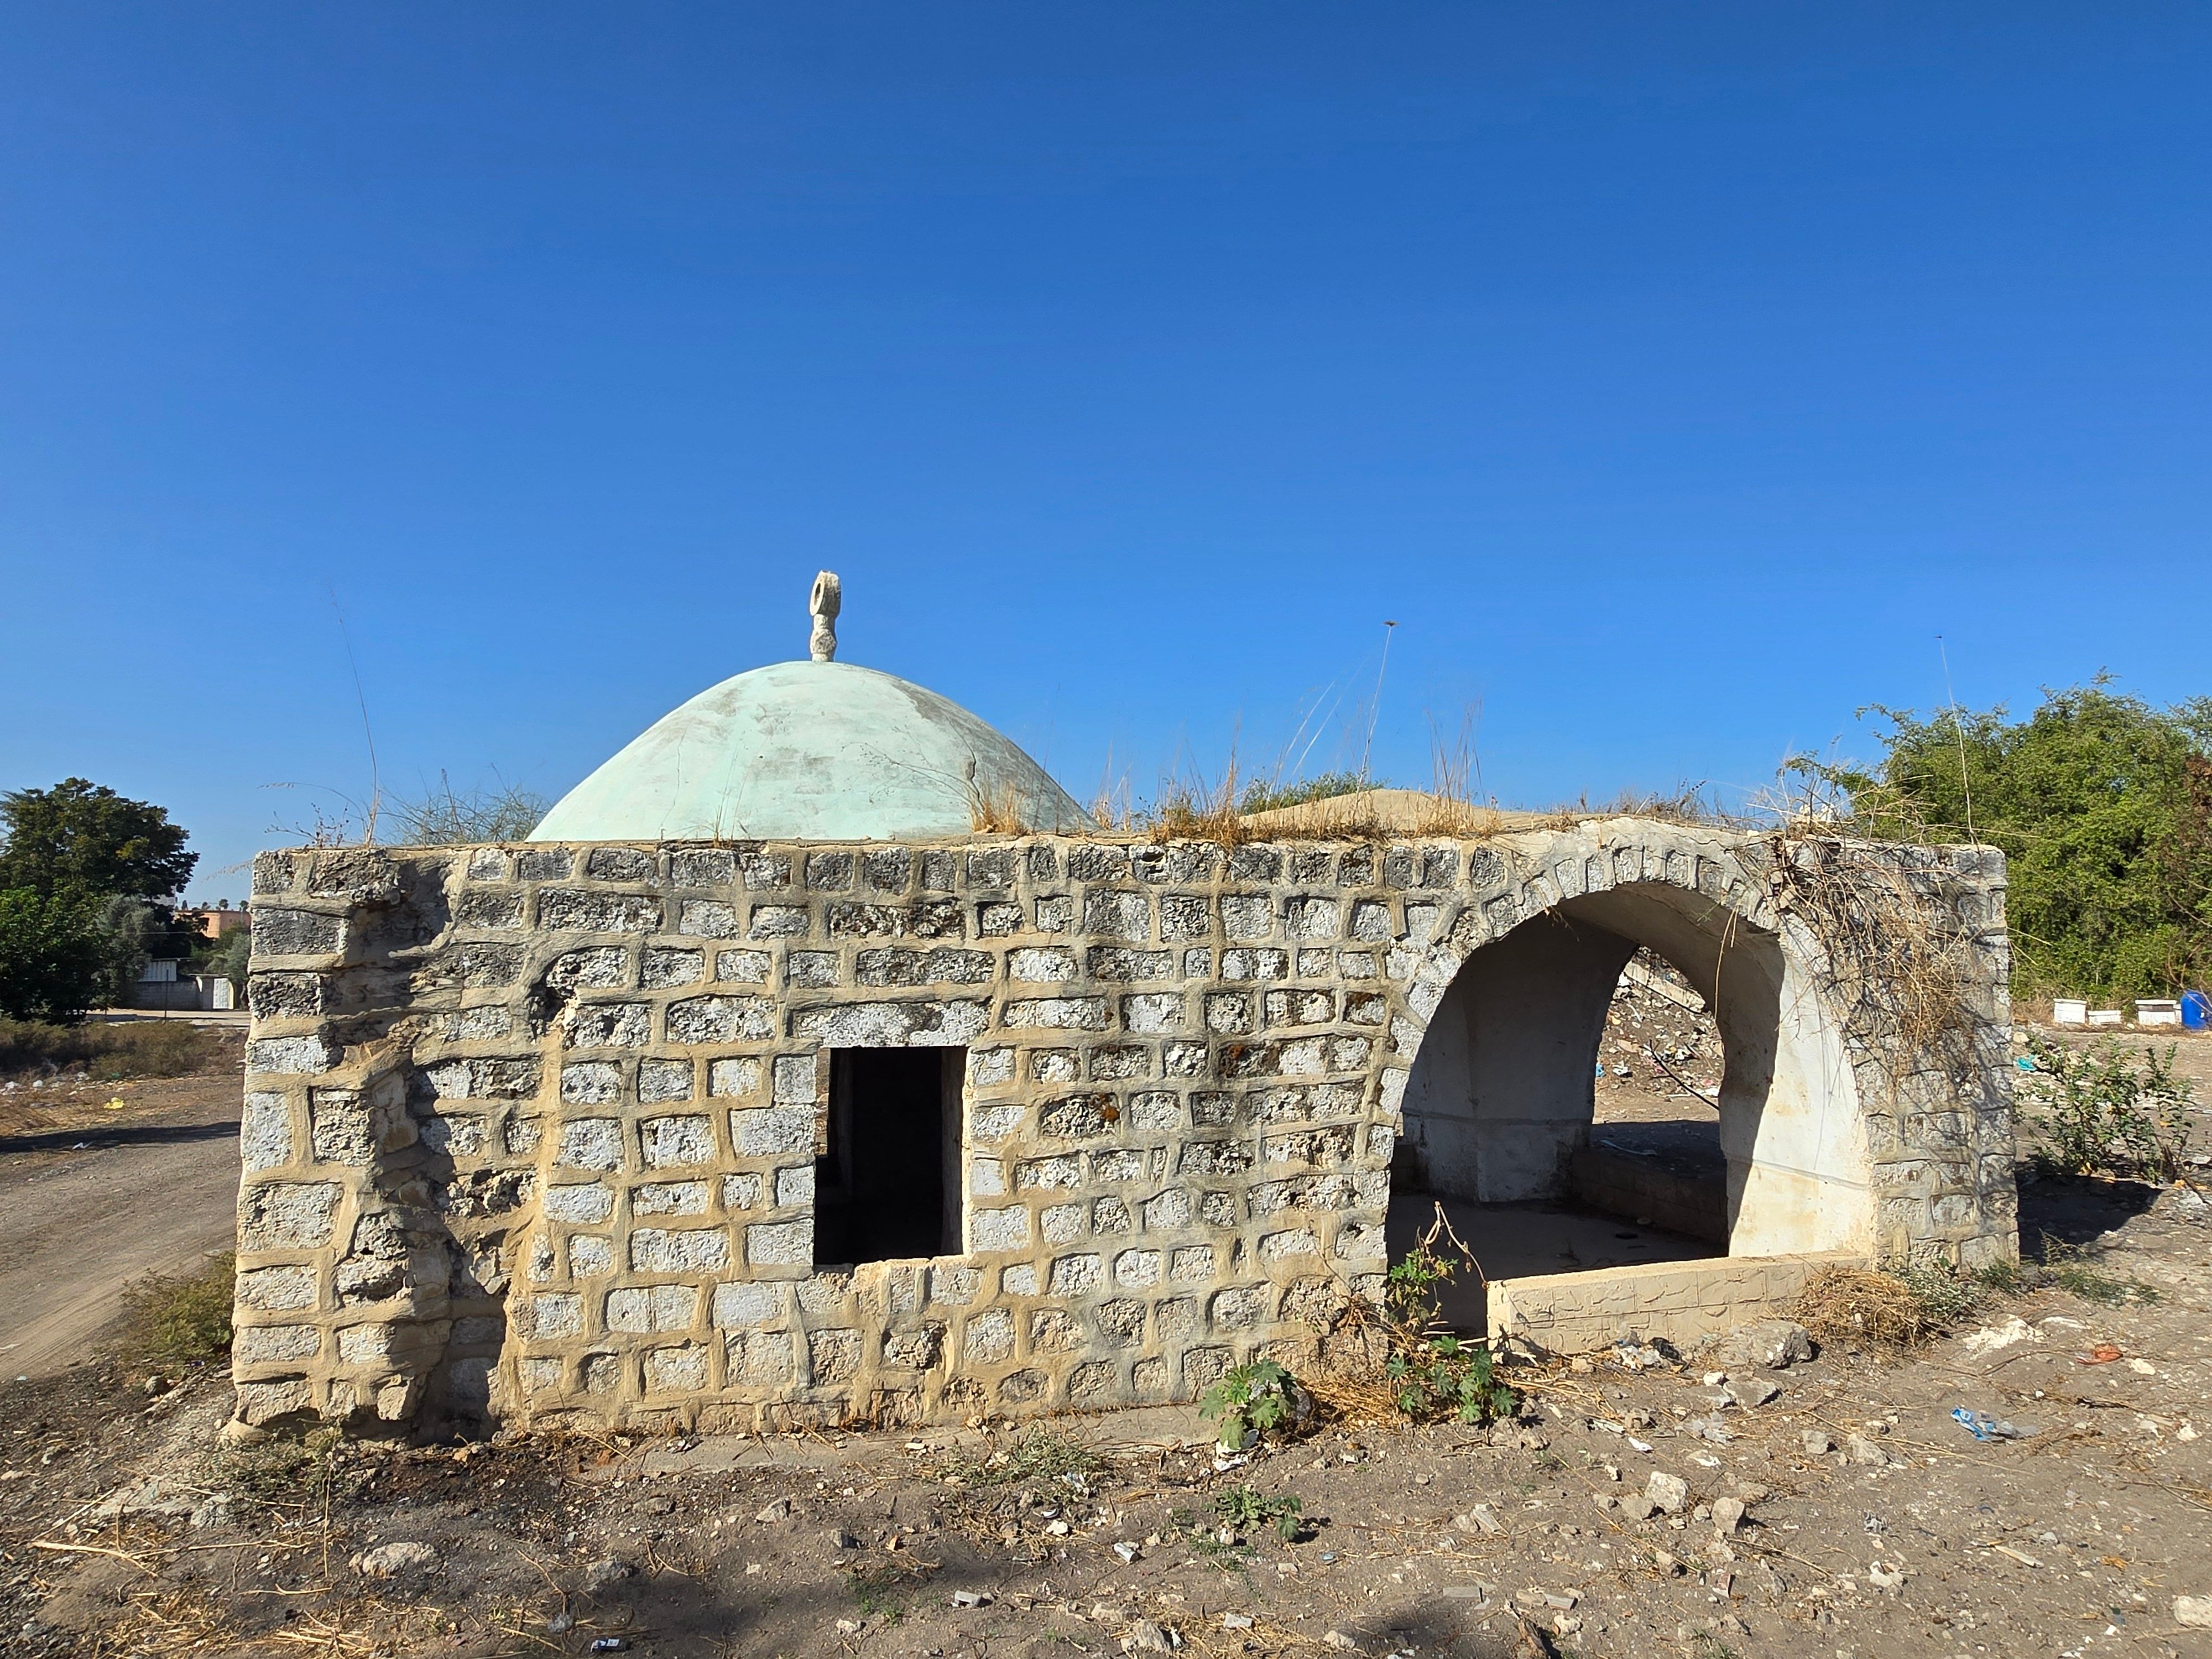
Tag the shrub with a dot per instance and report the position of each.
(126, 1048)
(1431, 1372)
(2105, 1114)
(182, 1321)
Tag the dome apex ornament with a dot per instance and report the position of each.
(823, 604)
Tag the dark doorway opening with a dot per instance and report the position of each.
(887, 1187)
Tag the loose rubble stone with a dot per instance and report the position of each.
(1669, 1492)
(400, 1556)
(1750, 1391)
(1775, 1344)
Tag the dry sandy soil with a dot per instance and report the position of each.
(102, 1183)
(123, 1529)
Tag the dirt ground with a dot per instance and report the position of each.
(1874, 1524)
(99, 1184)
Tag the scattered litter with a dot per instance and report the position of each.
(1634, 1356)
(1634, 1444)
(2101, 1354)
(1983, 1426)
(1128, 1552)
(1236, 1621)
(611, 1644)
(970, 1599)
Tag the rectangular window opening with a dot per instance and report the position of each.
(887, 1184)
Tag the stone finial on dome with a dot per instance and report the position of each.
(823, 603)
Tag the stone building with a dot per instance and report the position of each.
(737, 1100)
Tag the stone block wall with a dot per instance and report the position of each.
(530, 1130)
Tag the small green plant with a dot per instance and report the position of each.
(1262, 796)
(2003, 1276)
(2067, 1266)
(284, 1472)
(2102, 1114)
(1945, 1298)
(1431, 1372)
(1258, 1398)
(872, 1593)
(1245, 1509)
(181, 1321)
(1447, 1378)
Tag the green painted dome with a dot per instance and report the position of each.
(810, 752)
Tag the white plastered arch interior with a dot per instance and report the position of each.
(1500, 1094)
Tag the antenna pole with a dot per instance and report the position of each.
(1375, 708)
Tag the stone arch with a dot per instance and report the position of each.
(1506, 1012)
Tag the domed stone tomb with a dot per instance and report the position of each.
(815, 750)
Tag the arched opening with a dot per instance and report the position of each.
(1501, 1106)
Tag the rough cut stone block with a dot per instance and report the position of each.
(721, 1020)
(266, 1132)
(742, 967)
(573, 909)
(291, 1056)
(659, 1250)
(286, 1215)
(780, 1244)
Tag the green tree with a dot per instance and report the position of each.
(230, 959)
(51, 965)
(128, 929)
(83, 839)
(2103, 806)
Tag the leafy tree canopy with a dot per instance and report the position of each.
(2103, 806)
(50, 958)
(82, 839)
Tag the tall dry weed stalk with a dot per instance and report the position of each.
(999, 812)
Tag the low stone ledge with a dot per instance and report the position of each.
(1684, 1301)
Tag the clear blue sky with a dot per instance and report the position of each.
(1672, 375)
